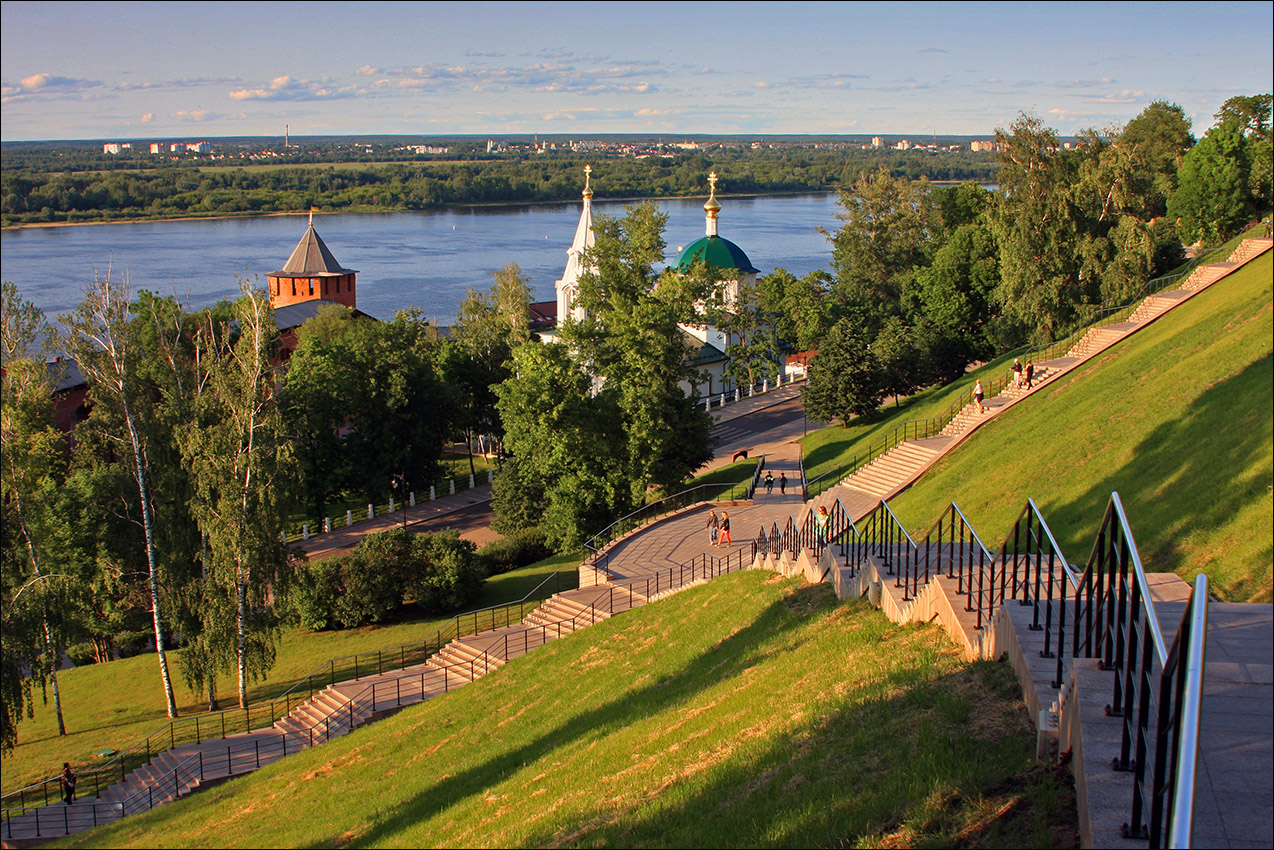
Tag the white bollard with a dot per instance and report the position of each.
(452, 483)
(765, 385)
(432, 494)
(490, 476)
(391, 504)
(283, 537)
(371, 512)
(305, 532)
(327, 523)
(471, 484)
(349, 518)
(736, 393)
(411, 498)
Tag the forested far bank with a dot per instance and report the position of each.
(45, 194)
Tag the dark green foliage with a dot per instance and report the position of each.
(517, 550)
(845, 378)
(438, 572)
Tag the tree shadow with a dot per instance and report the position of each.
(1190, 475)
(917, 755)
(728, 659)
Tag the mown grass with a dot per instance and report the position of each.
(834, 446)
(1176, 419)
(111, 706)
(750, 711)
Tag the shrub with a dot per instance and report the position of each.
(517, 550)
(315, 587)
(443, 572)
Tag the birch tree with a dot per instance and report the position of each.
(104, 344)
(237, 457)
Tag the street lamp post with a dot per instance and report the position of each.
(399, 483)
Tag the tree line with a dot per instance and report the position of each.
(54, 194)
(157, 522)
(925, 281)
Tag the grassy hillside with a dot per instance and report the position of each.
(750, 711)
(1177, 418)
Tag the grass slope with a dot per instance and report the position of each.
(1176, 418)
(111, 706)
(749, 711)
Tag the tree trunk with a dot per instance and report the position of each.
(241, 594)
(55, 658)
(152, 563)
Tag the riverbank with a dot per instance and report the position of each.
(357, 209)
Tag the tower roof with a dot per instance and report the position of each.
(717, 252)
(584, 238)
(311, 258)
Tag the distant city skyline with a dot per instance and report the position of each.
(143, 70)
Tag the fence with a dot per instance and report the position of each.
(1104, 611)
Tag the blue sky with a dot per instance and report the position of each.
(201, 70)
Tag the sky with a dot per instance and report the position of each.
(120, 70)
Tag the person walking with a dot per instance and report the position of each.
(782, 483)
(821, 522)
(769, 483)
(723, 538)
(67, 779)
(1030, 373)
(714, 525)
(978, 395)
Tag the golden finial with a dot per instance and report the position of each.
(712, 206)
(588, 171)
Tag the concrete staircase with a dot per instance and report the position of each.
(896, 468)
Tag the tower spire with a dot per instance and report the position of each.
(712, 207)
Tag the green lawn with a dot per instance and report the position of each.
(1177, 419)
(751, 711)
(111, 706)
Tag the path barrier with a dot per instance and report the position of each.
(1104, 611)
(657, 510)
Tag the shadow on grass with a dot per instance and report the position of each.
(728, 659)
(1191, 475)
(916, 762)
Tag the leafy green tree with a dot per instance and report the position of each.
(885, 232)
(1225, 180)
(237, 458)
(1158, 139)
(35, 598)
(567, 471)
(953, 298)
(631, 341)
(803, 308)
(105, 345)
(1037, 228)
(753, 348)
(845, 377)
(902, 360)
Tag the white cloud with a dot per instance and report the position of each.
(148, 117)
(196, 116)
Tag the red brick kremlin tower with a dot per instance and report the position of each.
(312, 274)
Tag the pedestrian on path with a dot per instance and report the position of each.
(821, 522)
(782, 483)
(714, 526)
(769, 483)
(978, 395)
(1030, 372)
(67, 779)
(1017, 372)
(724, 538)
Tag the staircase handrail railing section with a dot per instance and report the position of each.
(1112, 617)
(220, 724)
(654, 511)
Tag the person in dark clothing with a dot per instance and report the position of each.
(769, 483)
(1030, 372)
(782, 483)
(68, 783)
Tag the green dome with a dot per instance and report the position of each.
(716, 252)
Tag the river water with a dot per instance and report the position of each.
(404, 259)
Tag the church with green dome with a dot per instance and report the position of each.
(707, 343)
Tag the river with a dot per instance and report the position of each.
(404, 259)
